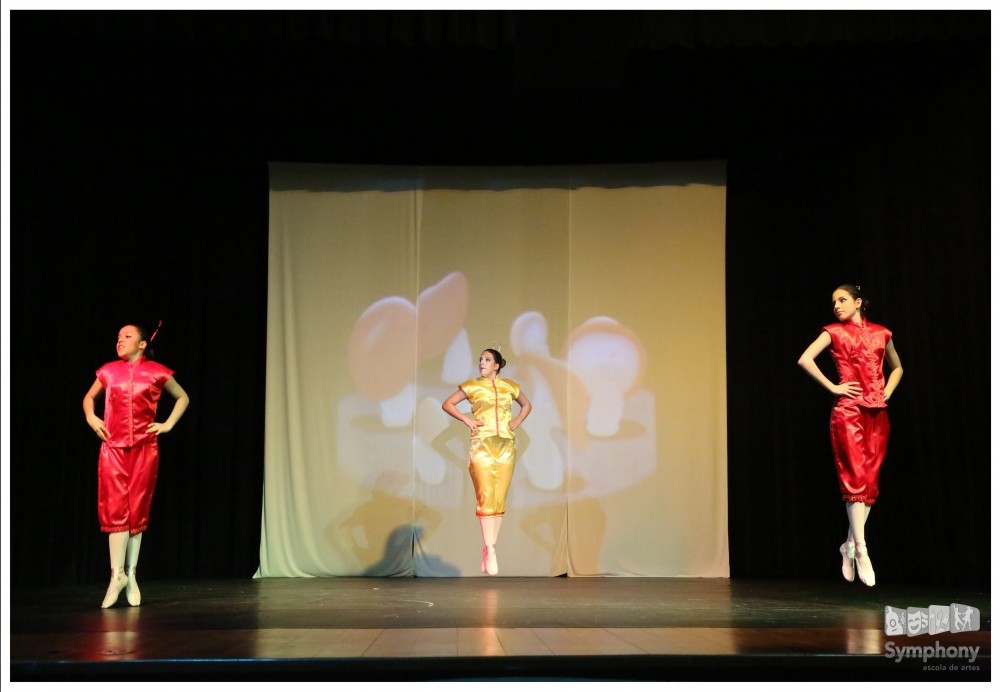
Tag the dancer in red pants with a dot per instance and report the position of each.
(859, 422)
(129, 457)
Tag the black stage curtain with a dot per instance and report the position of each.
(858, 150)
(906, 216)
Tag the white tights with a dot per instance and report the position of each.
(124, 549)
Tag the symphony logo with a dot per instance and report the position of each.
(933, 619)
(925, 653)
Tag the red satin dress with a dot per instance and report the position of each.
(130, 458)
(859, 427)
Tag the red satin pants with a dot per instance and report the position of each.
(126, 479)
(859, 437)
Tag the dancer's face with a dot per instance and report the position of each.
(845, 307)
(130, 345)
(487, 366)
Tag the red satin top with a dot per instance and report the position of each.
(859, 351)
(131, 392)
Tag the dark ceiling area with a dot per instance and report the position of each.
(467, 87)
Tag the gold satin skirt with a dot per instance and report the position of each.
(491, 465)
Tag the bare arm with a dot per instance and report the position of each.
(95, 423)
(449, 407)
(523, 413)
(180, 406)
(807, 361)
(895, 372)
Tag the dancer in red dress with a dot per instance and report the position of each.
(129, 458)
(859, 422)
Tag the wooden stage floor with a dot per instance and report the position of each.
(499, 628)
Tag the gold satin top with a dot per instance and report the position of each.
(491, 403)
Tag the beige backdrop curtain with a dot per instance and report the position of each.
(604, 287)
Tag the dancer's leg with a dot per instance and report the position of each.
(131, 560)
(488, 526)
(116, 552)
(857, 514)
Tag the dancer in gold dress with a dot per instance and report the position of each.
(492, 453)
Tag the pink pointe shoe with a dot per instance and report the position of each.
(132, 590)
(491, 560)
(866, 572)
(847, 560)
(118, 582)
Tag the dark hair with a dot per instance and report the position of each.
(144, 336)
(856, 293)
(497, 358)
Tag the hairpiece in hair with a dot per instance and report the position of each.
(495, 347)
(156, 331)
(858, 287)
